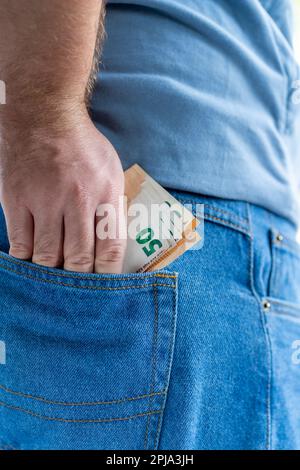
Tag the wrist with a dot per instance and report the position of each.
(53, 112)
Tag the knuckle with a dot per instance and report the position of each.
(81, 262)
(19, 249)
(46, 259)
(46, 251)
(16, 236)
(112, 254)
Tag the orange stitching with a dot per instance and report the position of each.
(50, 281)
(62, 420)
(230, 224)
(87, 277)
(217, 209)
(170, 359)
(154, 362)
(63, 403)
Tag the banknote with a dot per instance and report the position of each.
(160, 228)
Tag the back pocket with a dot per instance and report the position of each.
(85, 358)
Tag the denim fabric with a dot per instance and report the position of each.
(100, 362)
(202, 93)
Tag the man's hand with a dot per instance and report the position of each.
(55, 167)
(51, 186)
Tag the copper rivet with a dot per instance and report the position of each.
(266, 305)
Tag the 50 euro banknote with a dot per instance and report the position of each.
(160, 228)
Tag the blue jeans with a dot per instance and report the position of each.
(203, 355)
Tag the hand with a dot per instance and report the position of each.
(50, 186)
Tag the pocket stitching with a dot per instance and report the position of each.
(83, 421)
(217, 209)
(171, 353)
(154, 362)
(51, 281)
(227, 223)
(154, 409)
(64, 403)
(274, 274)
(83, 278)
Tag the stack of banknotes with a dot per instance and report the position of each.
(160, 229)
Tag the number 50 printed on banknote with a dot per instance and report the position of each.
(160, 229)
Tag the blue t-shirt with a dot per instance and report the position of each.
(202, 94)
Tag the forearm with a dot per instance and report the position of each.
(46, 57)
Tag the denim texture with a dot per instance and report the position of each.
(198, 356)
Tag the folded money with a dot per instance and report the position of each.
(160, 229)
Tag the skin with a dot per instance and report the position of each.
(55, 166)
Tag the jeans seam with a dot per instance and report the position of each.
(268, 443)
(83, 421)
(51, 281)
(227, 223)
(171, 352)
(154, 362)
(242, 227)
(217, 209)
(274, 273)
(82, 278)
(62, 403)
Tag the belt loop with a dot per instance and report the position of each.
(249, 219)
